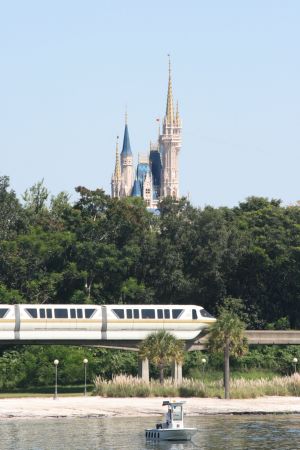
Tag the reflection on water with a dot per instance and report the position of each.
(275, 432)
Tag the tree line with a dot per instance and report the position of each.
(102, 250)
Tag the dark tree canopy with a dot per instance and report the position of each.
(104, 250)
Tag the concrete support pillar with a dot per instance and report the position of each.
(176, 372)
(144, 369)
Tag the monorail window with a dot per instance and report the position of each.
(167, 314)
(119, 313)
(160, 314)
(204, 313)
(176, 313)
(73, 313)
(194, 314)
(49, 313)
(32, 312)
(3, 312)
(79, 314)
(60, 313)
(42, 313)
(88, 313)
(129, 313)
(136, 314)
(148, 313)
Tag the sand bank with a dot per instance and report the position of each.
(27, 408)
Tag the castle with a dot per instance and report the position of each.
(156, 174)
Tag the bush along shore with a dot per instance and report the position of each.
(128, 386)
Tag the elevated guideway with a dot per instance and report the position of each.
(257, 337)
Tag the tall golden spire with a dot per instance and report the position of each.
(177, 116)
(117, 173)
(170, 105)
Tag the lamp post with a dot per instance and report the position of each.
(295, 360)
(85, 361)
(203, 362)
(55, 362)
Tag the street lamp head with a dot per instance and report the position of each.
(295, 360)
(203, 360)
(56, 362)
(85, 361)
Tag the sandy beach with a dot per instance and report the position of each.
(34, 408)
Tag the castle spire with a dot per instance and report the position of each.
(170, 105)
(117, 173)
(126, 149)
(177, 116)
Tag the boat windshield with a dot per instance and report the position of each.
(177, 412)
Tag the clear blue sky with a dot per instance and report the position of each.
(69, 67)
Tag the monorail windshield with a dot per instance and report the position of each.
(204, 313)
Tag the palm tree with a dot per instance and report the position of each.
(162, 348)
(227, 335)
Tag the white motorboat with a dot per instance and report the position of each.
(172, 429)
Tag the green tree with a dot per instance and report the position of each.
(227, 335)
(12, 217)
(35, 197)
(161, 349)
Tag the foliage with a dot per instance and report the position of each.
(161, 348)
(228, 329)
(227, 335)
(125, 386)
(31, 365)
(109, 250)
(102, 250)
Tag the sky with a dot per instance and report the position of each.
(70, 68)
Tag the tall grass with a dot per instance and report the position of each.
(128, 386)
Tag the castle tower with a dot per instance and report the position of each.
(126, 164)
(147, 190)
(116, 179)
(170, 144)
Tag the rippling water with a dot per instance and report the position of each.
(272, 432)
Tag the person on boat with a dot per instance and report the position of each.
(169, 417)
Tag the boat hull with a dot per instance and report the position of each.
(170, 434)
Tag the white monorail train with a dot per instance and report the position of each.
(87, 323)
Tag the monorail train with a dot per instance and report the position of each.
(59, 323)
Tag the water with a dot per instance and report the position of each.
(272, 432)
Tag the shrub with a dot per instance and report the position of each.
(128, 386)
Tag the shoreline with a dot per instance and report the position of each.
(87, 407)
